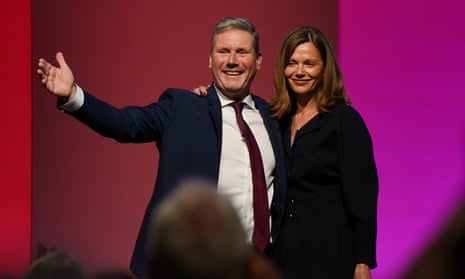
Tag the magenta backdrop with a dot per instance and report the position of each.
(404, 68)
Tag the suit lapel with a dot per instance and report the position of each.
(215, 113)
(271, 125)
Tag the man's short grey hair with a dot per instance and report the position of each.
(229, 23)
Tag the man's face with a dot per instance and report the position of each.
(234, 63)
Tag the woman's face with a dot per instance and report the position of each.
(304, 68)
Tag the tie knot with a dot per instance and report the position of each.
(238, 106)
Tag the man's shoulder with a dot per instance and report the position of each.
(259, 101)
(180, 95)
(171, 90)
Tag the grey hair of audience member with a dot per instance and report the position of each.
(198, 235)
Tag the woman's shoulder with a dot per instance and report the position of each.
(346, 110)
(343, 107)
(349, 119)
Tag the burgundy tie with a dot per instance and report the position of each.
(261, 234)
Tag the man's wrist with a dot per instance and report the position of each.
(72, 94)
(74, 102)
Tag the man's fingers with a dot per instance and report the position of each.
(42, 75)
(44, 67)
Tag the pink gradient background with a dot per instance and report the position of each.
(404, 67)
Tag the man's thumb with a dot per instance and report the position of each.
(61, 59)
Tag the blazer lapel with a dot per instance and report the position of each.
(215, 112)
(271, 125)
(312, 125)
(287, 135)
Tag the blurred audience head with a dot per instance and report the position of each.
(112, 274)
(198, 235)
(55, 265)
(260, 267)
(445, 256)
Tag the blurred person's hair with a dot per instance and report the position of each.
(112, 274)
(198, 235)
(55, 265)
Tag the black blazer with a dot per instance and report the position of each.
(187, 130)
(330, 218)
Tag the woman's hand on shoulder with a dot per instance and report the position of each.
(201, 90)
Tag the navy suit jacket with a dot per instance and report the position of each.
(187, 130)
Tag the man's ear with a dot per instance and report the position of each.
(259, 60)
(210, 62)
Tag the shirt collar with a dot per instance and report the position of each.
(225, 101)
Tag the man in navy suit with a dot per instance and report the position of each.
(196, 136)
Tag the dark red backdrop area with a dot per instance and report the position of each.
(89, 193)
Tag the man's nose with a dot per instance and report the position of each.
(232, 58)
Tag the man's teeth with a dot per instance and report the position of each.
(233, 73)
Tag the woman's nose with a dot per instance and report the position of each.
(300, 69)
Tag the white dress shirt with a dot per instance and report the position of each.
(235, 177)
(76, 103)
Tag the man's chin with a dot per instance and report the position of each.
(233, 90)
(235, 93)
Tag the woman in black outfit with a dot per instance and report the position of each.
(329, 230)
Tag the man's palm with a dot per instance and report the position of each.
(57, 80)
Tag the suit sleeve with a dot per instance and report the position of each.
(359, 185)
(135, 124)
